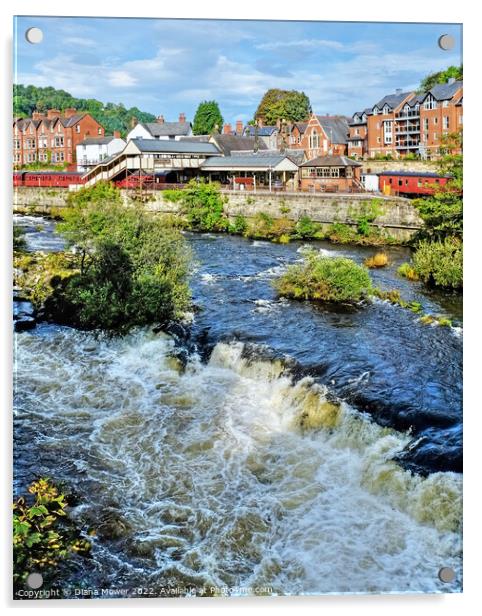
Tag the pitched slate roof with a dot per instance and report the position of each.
(331, 161)
(228, 143)
(67, 122)
(98, 140)
(197, 138)
(392, 100)
(335, 127)
(296, 155)
(301, 126)
(263, 131)
(167, 129)
(253, 159)
(175, 147)
(445, 91)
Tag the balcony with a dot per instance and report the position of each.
(407, 115)
(407, 145)
(405, 130)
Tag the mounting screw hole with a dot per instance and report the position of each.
(34, 35)
(446, 42)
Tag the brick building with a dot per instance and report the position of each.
(52, 137)
(408, 123)
(321, 136)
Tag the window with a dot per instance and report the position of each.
(378, 139)
(435, 136)
(59, 128)
(461, 119)
(400, 182)
(445, 122)
(425, 123)
(386, 110)
(445, 104)
(419, 183)
(435, 121)
(430, 103)
(59, 142)
(387, 132)
(357, 131)
(77, 128)
(314, 140)
(16, 144)
(99, 130)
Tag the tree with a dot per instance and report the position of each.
(433, 79)
(207, 118)
(289, 105)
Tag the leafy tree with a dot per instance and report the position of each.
(289, 105)
(441, 77)
(208, 117)
(131, 268)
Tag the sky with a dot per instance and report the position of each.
(167, 66)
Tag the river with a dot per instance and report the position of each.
(265, 447)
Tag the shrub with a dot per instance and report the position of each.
(305, 228)
(260, 226)
(42, 533)
(440, 263)
(407, 271)
(239, 226)
(380, 259)
(341, 233)
(202, 203)
(330, 279)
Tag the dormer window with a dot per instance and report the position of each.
(417, 107)
(386, 110)
(364, 117)
(375, 111)
(430, 102)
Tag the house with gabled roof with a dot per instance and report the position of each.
(161, 129)
(52, 137)
(322, 135)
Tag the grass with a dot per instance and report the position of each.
(380, 259)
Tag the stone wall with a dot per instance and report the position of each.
(375, 166)
(398, 216)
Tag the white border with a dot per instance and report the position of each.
(442, 11)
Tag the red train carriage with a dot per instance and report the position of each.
(47, 179)
(410, 184)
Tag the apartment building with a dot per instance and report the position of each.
(408, 123)
(52, 137)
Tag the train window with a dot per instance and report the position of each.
(437, 181)
(419, 183)
(406, 182)
(390, 180)
(400, 182)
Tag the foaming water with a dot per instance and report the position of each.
(228, 473)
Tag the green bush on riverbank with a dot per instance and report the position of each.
(128, 267)
(329, 279)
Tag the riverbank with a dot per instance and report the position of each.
(397, 217)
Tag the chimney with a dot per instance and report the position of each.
(239, 127)
(117, 134)
(451, 80)
(53, 113)
(227, 129)
(160, 119)
(37, 115)
(133, 122)
(182, 118)
(398, 91)
(69, 112)
(278, 124)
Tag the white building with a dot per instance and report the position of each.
(160, 129)
(93, 150)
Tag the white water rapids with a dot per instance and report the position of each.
(229, 474)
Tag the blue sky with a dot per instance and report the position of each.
(169, 66)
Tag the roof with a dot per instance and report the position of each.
(229, 143)
(258, 159)
(445, 91)
(335, 127)
(392, 100)
(301, 126)
(175, 147)
(197, 138)
(331, 161)
(98, 140)
(296, 155)
(423, 174)
(167, 129)
(263, 131)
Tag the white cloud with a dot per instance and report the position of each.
(78, 41)
(303, 43)
(121, 79)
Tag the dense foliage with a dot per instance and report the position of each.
(433, 79)
(290, 105)
(202, 204)
(43, 535)
(128, 267)
(208, 118)
(329, 279)
(440, 262)
(112, 116)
